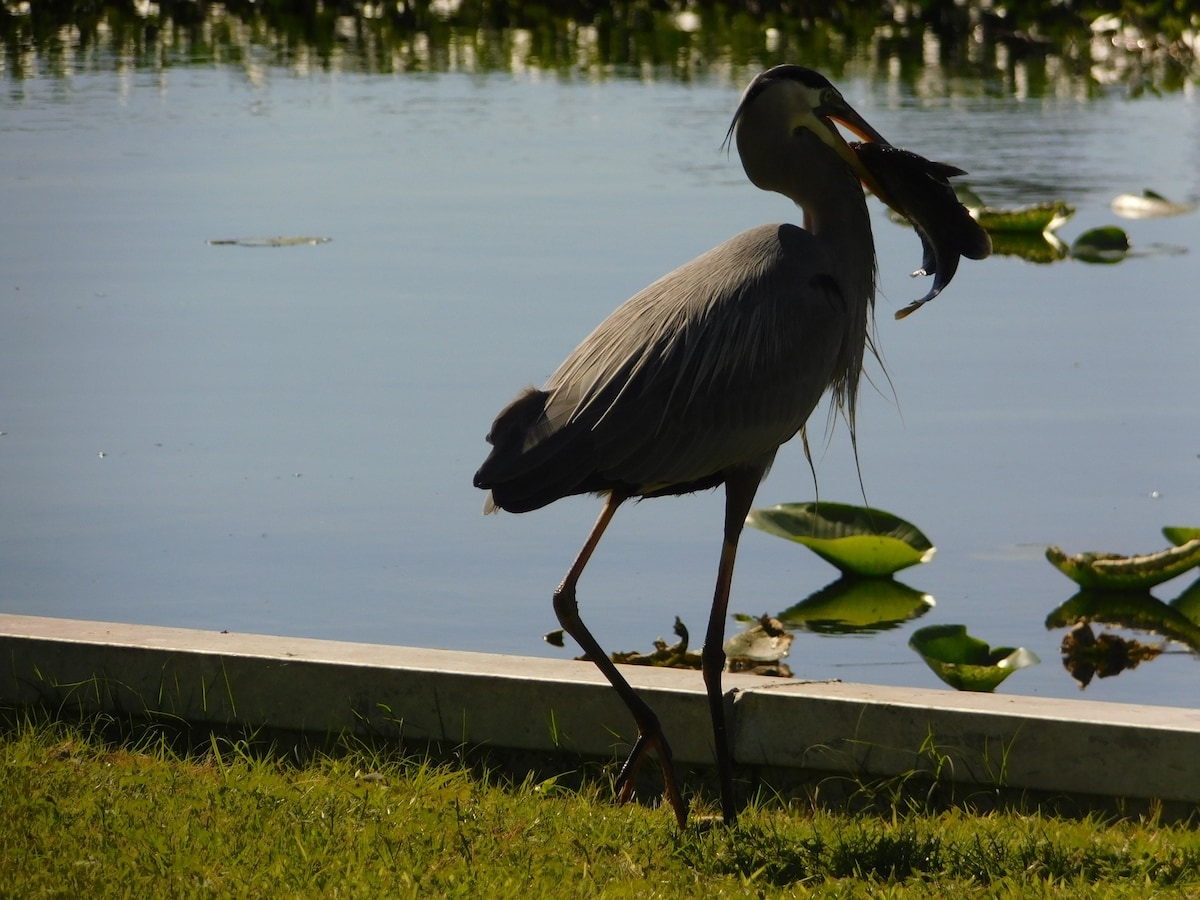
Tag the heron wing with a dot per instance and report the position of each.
(712, 366)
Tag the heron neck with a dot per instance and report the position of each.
(835, 212)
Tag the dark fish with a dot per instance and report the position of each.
(919, 189)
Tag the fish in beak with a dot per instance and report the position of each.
(919, 189)
(915, 187)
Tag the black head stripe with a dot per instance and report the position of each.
(806, 77)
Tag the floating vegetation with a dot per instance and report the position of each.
(1035, 219)
(1148, 205)
(759, 649)
(674, 656)
(1187, 604)
(1180, 534)
(857, 539)
(1108, 244)
(269, 242)
(964, 662)
(1113, 572)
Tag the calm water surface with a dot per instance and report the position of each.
(282, 440)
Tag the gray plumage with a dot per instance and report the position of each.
(714, 365)
(697, 380)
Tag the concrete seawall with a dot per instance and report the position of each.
(1103, 751)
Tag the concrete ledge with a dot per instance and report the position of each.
(532, 704)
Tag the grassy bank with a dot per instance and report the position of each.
(89, 815)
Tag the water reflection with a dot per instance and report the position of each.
(1086, 655)
(946, 48)
(858, 606)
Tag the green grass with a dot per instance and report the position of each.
(89, 815)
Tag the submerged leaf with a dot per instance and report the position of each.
(965, 662)
(857, 539)
(1113, 572)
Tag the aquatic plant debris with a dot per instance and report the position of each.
(1148, 205)
(269, 241)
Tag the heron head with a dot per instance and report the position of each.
(785, 102)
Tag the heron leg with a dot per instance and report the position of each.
(740, 488)
(650, 733)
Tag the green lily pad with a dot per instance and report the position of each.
(1180, 534)
(1033, 219)
(1188, 603)
(1108, 244)
(967, 663)
(858, 606)
(1113, 572)
(856, 539)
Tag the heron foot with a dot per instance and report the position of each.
(627, 778)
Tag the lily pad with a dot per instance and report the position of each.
(1108, 244)
(1148, 205)
(1113, 572)
(1033, 219)
(1180, 534)
(856, 539)
(858, 606)
(965, 662)
(1188, 603)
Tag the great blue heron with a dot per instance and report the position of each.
(698, 379)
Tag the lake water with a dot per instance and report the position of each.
(282, 439)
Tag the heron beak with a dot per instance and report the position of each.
(843, 114)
